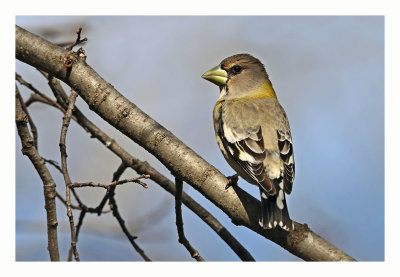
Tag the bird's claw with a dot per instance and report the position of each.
(232, 181)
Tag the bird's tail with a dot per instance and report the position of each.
(274, 211)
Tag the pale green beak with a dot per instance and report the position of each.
(216, 75)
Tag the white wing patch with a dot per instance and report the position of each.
(230, 137)
(279, 199)
(263, 195)
(290, 160)
(246, 157)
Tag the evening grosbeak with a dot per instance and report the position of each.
(253, 133)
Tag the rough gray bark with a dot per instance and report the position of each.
(182, 161)
(49, 186)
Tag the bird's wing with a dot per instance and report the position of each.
(246, 147)
(286, 153)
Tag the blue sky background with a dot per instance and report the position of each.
(328, 72)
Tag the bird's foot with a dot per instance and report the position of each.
(232, 181)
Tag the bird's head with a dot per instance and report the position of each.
(240, 75)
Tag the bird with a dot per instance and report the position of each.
(253, 134)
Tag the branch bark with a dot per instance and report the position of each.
(112, 184)
(49, 186)
(117, 215)
(179, 222)
(31, 123)
(108, 103)
(67, 179)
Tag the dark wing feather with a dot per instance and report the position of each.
(253, 146)
(286, 154)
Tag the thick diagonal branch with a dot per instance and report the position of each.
(113, 107)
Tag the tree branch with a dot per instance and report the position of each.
(108, 103)
(81, 207)
(179, 221)
(117, 174)
(31, 123)
(49, 186)
(121, 221)
(112, 184)
(67, 179)
(78, 39)
(38, 96)
(144, 168)
(78, 228)
(36, 91)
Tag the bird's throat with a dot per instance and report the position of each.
(265, 90)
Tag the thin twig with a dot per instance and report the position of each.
(53, 163)
(61, 96)
(142, 167)
(64, 129)
(36, 98)
(78, 39)
(179, 221)
(29, 85)
(121, 221)
(112, 184)
(65, 202)
(39, 96)
(117, 174)
(78, 228)
(48, 182)
(31, 123)
(82, 207)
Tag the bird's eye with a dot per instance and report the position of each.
(237, 69)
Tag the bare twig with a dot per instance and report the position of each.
(61, 96)
(81, 207)
(31, 123)
(64, 129)
(30, 86)
(65, 202)
(54, 164)
(179, 221)
(117, 174)
(38, 96)
(78, 39)
(144, 168)
(121, 221)
(48, 182)
(112, 184)
(78, 228)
